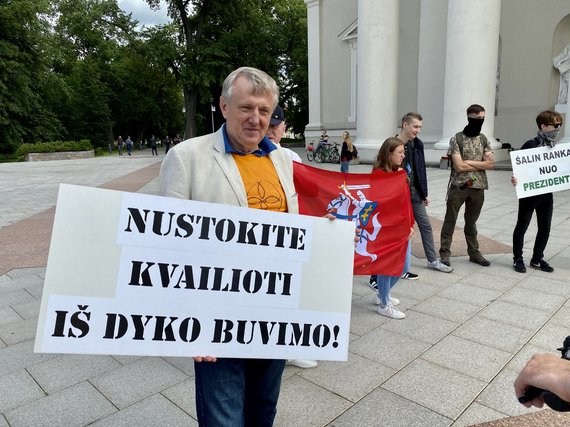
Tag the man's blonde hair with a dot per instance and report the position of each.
(259, 81)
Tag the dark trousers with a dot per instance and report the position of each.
(238, 392)
(456, 197)
(543, 205)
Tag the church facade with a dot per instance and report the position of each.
(372, 61)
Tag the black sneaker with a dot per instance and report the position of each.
(542, 265)
(518, 265)
(410, 276)
(372, 283)
(479, 259)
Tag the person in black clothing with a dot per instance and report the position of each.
(166, 144)
(153, 145)
(548, 123)
(347, 151)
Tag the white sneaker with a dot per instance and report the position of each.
(439, 266)
(391, 312)
(302, 363)
(393, 301)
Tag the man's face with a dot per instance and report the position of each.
(480, 115)
(247, 115)
(275, 132)
(412, 129)
(551, 127)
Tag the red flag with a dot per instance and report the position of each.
(378, 202)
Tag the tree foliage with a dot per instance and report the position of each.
(84, 69)
(219, 36)
(23, 116)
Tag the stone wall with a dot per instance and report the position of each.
(63, 155)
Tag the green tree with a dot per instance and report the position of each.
(89, 35)
(217, 36)
(115, 84)
(24, 117)
(150, 97)
(291, 20)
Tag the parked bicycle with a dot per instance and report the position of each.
(327, 152)
(310, 152)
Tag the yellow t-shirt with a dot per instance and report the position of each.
(261, 182)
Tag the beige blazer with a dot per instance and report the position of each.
(199, 169)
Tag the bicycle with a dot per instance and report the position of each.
(310, 152)
(326, 152)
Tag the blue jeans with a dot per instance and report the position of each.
(422, 220)
(344, 166)
(385, 283)
(238, 392)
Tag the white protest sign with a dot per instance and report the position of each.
(133, 274)
(541, 170)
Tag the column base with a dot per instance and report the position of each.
(368, 149)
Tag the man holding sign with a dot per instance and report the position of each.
(237, 165)
(548, 123)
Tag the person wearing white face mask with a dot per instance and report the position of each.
(548, 123)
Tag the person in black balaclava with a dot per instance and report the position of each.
(548, 123)
(471, 154)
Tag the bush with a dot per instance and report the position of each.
(54, 147)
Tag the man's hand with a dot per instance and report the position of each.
(514, 181)
(547, 372)
(204, 359)
(426, 202)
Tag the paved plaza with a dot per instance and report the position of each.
(451, 362)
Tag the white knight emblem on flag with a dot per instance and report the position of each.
(362, 211)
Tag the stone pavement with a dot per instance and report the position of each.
(452, 361)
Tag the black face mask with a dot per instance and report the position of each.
(474, 126)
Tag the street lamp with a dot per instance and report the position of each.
(212, 109)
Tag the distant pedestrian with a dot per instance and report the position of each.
(166, 143)
(347, 152)
(129, 144)
(153, 145)
(120, 145)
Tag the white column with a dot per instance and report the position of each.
(314, 52)
(353, 71)
(472, 48)
(563, 109)
(377, 73)
(431, 68)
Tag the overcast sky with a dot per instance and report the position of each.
(142, 13)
